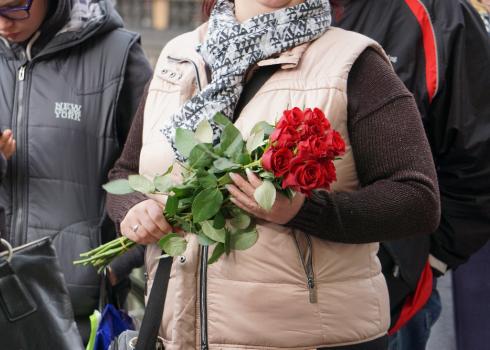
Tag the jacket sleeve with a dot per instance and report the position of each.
(138, 74)
(459, 130)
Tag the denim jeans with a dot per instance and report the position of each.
(415, 334)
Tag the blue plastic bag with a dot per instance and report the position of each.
(113, 322)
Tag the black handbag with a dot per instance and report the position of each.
(147, 338)
(35, 308)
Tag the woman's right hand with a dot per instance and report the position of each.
(144, 223)
(7, 143)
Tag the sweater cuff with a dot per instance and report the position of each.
(314, 210)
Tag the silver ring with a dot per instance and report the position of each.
(9, 249)
(135, 228)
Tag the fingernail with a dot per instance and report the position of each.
(249, 172)
(228, 187)
(233, 176)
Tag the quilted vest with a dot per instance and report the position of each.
(261, 298)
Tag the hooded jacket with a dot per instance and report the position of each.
(69, 96)
(439, 49)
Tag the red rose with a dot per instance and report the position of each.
(314, 146)
(292, 117)
(338, 144)
(277, 161)
(315, 123)
(305, 176)
(330, 174)
(287, 136)
(335, 144)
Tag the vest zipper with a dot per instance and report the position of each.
(203, 302)
(17, 224)
(308, 267)
(203, 264)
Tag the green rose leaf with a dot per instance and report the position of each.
(173, 244)
(172, 205)
(255, 140)
(223, 164)
(231, 141)
(244, 240)
(163, 183)
(204, 240)
(241, 221)
(208, 180)
(118, 187)
(244, 159)
(220, 119)
(219, 221)
(263, 126)
(211, 232)
(225, 180)
(184, 141)
(265, 195)
(141, 184)
(206, 204)
(183, 191)
(204, 132)
(217, 252)
(200, 156)
(227, 242)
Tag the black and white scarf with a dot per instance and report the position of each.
(230, 48)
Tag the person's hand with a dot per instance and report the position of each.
(144, 223)
(7, 143)
(242, 195)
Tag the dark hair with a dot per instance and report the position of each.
(207, 6)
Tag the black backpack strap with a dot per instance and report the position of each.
(260, 76)
(152, 319)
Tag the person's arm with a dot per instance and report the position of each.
(117, 206)
(398, 195)
(459, 129)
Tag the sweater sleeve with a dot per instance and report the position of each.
(127, 164)
(398, 194)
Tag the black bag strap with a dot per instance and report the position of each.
(260, 76)
(152, 319)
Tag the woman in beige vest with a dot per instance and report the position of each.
(312, 280)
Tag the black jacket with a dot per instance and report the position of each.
(69, 97)
(440, 49)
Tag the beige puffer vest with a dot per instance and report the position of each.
(269, 297)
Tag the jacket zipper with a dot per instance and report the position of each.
(203, 302)
(308, 267)
(17, 226)
(203, 264)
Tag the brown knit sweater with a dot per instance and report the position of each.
(399, 194)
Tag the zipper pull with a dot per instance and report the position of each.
(22, 73)
(312, 290)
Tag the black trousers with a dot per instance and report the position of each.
(377, 344)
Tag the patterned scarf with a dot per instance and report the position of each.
(230, 48)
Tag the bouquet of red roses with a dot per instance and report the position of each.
(301, 151)
(295, 155)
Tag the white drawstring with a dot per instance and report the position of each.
(30, 44)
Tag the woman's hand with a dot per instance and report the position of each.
(7, 143)
(242, 194)
(144, 223)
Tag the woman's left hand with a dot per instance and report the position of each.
(242, 195)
